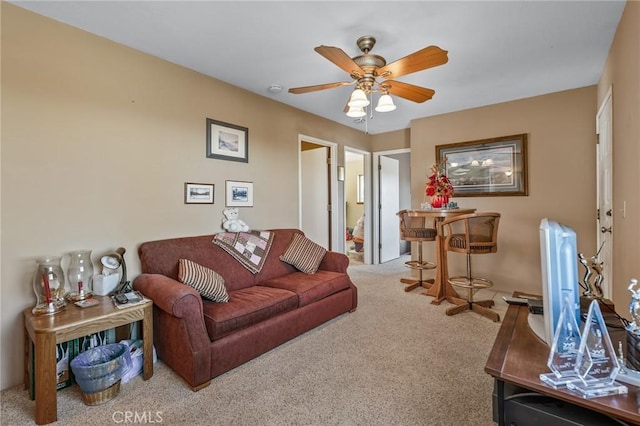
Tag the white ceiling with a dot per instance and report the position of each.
(498, 51)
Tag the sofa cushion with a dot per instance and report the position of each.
(304, 254)
(311, 287)
(246, 306)
(205, 281)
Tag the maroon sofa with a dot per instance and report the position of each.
(200, 339)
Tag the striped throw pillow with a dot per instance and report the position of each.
(304, 254)
(205, 281)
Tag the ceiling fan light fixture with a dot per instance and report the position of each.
(385, 104)
(358, 99)
(356, 112)
(366, 71)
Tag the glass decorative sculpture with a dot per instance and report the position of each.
(48, 285)
(634, 307)
(596, 364)
(80, 275)
(564, 350)
(630, 365)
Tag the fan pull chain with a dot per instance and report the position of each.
(371, 103)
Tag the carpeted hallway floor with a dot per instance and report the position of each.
(397, 360)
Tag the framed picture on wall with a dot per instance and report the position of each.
(239, 194)
(227, 141)
(198, 193)
(487, 167)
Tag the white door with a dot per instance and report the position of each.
(605, 209)
(315, 195)
(389, 206)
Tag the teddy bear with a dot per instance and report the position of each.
(231, 222)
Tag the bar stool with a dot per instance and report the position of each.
(416, 229)
(480, 236)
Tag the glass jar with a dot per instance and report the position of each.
(48, 285)
(80, 275)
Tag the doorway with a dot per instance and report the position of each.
(397, 187)
(604, 224)
(357, 196)
(317, 192)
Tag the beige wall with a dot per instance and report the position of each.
(391, 140)
(98, 141)
(622, 74)
(561, 169)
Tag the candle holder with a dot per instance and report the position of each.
(48, 285)
(80, 276)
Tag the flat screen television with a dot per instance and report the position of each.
(559, 264)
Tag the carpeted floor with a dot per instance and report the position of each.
(397, 360)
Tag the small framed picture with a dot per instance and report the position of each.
(198, 193)
(227, 141)
(239, 194)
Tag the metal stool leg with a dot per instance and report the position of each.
(420, 265)
(472, 284)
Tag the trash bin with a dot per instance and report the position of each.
(98, 372)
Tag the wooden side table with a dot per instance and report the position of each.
(45, 331)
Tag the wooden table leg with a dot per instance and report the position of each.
(26, 377)
(46, 378)
(441, 288)
(147, 341)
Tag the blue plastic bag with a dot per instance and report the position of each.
(137, 360)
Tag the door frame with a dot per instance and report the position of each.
(376, 198)
(368, 246)
(337, 238)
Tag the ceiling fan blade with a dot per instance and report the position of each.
(307, 89)
(341, 59)
(408, 91)
(428, 57)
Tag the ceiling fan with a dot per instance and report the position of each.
(367, 69)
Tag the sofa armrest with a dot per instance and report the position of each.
(180, 334)
(171, 296)
(334, 261)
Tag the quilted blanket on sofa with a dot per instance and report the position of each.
(249, 248)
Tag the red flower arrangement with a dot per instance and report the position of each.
(439, 187)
